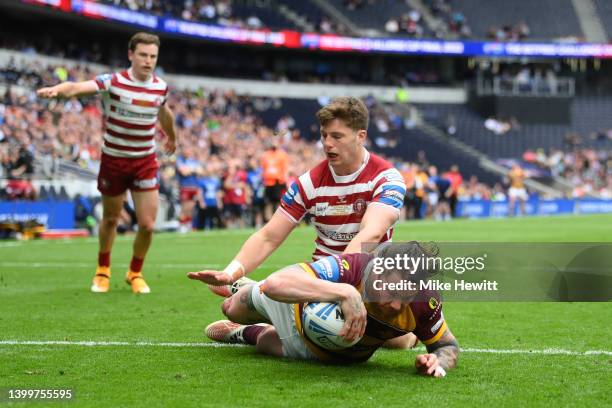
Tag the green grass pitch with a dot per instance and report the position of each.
(44, 296)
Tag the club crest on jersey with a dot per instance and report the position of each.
(359, 206)
(433, 303)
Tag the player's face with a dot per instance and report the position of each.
(387, 301)
(144, 60)
(343, 146)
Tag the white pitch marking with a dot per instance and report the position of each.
(549, 351)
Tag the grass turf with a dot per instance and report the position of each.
(44, 296)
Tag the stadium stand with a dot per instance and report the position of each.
(376, 15)
(545, 19)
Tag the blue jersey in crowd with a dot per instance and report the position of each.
(255, 180)
(210, 186)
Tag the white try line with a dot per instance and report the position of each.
(189, 266)
(549, 351)
(92, 265)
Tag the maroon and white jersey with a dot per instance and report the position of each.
(337, 203)
(130, 110)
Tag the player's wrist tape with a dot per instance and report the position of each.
(440, 370)
(235, 269)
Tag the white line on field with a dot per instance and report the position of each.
(549, 351)
(110, 343)
(92, 265)
(198, 266)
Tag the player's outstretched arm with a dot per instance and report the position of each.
(166, 119)
(443, 355)
(68, 90)
(294, 285)
(253, 252)
(376, 221)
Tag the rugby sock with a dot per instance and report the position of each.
(104, 259)
(250, 334)
(136, 264)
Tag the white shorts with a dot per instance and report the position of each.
(282, 317)
(519, 193)
(433, 199)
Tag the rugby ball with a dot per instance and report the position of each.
(321, 324)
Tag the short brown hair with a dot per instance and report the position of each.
(143, 38)
(352, 111)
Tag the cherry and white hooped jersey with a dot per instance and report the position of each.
(130, 110)
(337, 203)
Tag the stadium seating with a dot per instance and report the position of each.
(588, 115)
(374, 16)
(547, 19)
(604, 11)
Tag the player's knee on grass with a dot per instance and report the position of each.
(239, 307)
(269, 343)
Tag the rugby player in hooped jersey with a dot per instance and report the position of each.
(269, 314)
(134, 100)
(354, 197)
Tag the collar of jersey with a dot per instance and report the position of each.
(353, 176)
(134, 79)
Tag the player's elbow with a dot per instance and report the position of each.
(274, 286)
(373, 234)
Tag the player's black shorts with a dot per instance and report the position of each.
(274, 193)
(233, 209)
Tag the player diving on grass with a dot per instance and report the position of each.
(353, 197)
(268, 314)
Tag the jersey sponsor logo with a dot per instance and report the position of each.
(327, 269)
(337, 236)
(339, 209)
(104, 77)
(359, 206)
(393, 194)
(438, 324)
(321, 209)
(146, 183)
(289, 197)
(130, 114)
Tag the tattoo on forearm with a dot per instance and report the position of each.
(356, 306)
(447, 356)
(447, 350)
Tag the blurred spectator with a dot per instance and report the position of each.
(209, 200)
(456, 179)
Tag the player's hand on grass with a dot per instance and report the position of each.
(48, 92)
(428, 364)
(216, 278)
(355, 314)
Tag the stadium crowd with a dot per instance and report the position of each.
(223, 136)
(588, 170)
